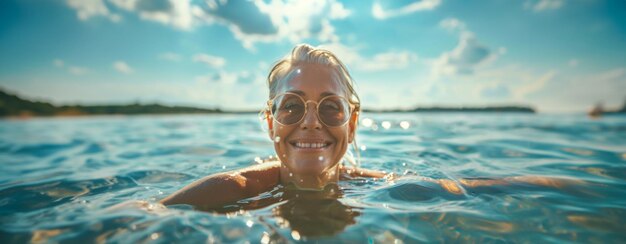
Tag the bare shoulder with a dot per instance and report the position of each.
(222, 188)
(261, 176)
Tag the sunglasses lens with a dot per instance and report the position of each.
(334, 111)
(288, 109)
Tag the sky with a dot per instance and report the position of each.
(558, 56)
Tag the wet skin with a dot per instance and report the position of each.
(311, 167)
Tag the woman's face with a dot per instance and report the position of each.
(313, 82)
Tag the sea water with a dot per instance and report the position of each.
(97, 179)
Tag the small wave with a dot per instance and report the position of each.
(23, 198)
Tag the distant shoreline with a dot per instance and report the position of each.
(15, 107)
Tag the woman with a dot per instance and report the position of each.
(312, 116)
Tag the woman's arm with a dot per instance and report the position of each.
(457, 187)
(548, 181)
(223, 188)
(360, 172)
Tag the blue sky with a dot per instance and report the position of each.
(555, 55)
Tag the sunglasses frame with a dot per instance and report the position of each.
(353, 107)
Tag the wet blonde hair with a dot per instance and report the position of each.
(306, 54)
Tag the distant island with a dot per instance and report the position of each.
(515, 109)
(13, 106)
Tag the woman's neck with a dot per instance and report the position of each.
(310, 181)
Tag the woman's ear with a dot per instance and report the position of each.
(352, 125)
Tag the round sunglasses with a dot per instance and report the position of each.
(289, 108)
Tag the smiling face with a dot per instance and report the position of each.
(310, 148)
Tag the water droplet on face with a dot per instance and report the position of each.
(405, 125)
(298, 71)
(277, 139)
(290, 174)
(386, 125)
(321, 158)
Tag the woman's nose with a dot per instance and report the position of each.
(311, 121)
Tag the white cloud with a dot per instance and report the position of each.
(211, 61)
(297, 20)
(391, 60)
(58, 63)
(464, 58)
(522, 91)
(453, 24)
(467, 56)
(225, 77)
(76, 70)
(220, 77)
(577, 93)
(249, 21)
(72, 69)
(543, 5)
(610, 75)
(381, 13)
(86, 9)
(169, 56)
(276, 20)
(122, 67)
(177, 13)
(546, 90)
(338, 11)
(388, 61)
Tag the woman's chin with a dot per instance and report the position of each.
(308, 170)
(310, 167)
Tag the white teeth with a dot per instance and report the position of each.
(310, 145)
